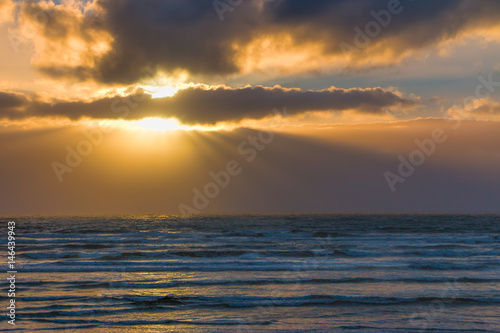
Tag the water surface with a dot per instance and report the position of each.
(279, 273)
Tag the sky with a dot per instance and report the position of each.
(249, 106)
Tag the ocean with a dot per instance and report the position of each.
(257, 273)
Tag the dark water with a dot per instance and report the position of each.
(313, 273)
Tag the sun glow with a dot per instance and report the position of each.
(158, 124)
(161, 92)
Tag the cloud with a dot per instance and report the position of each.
(11, 101)
(203, 105)
(139, 36)
(478, 109)
(69, 39)
(121, 41)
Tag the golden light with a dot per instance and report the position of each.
(161, 92)
(157, 124)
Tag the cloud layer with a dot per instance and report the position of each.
(121, 41)
(202, 105)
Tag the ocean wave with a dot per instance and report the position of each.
(249, 265)
(102, 323)
(196, 301)
(122, 256)
(268, 281)
(50, 255)
(311, 300)
(454, 266)
(88, 246)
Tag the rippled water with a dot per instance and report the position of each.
(316, 273)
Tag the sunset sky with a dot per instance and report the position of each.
(251, 106)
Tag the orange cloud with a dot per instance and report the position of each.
(66, 37)
(123, 42)
(478, 109)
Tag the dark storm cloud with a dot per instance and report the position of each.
(196, 105)
(189, 35)
(176, 34)
(417, 23)
(169, 35)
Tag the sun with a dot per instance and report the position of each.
(161, 92)
(158, 124)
